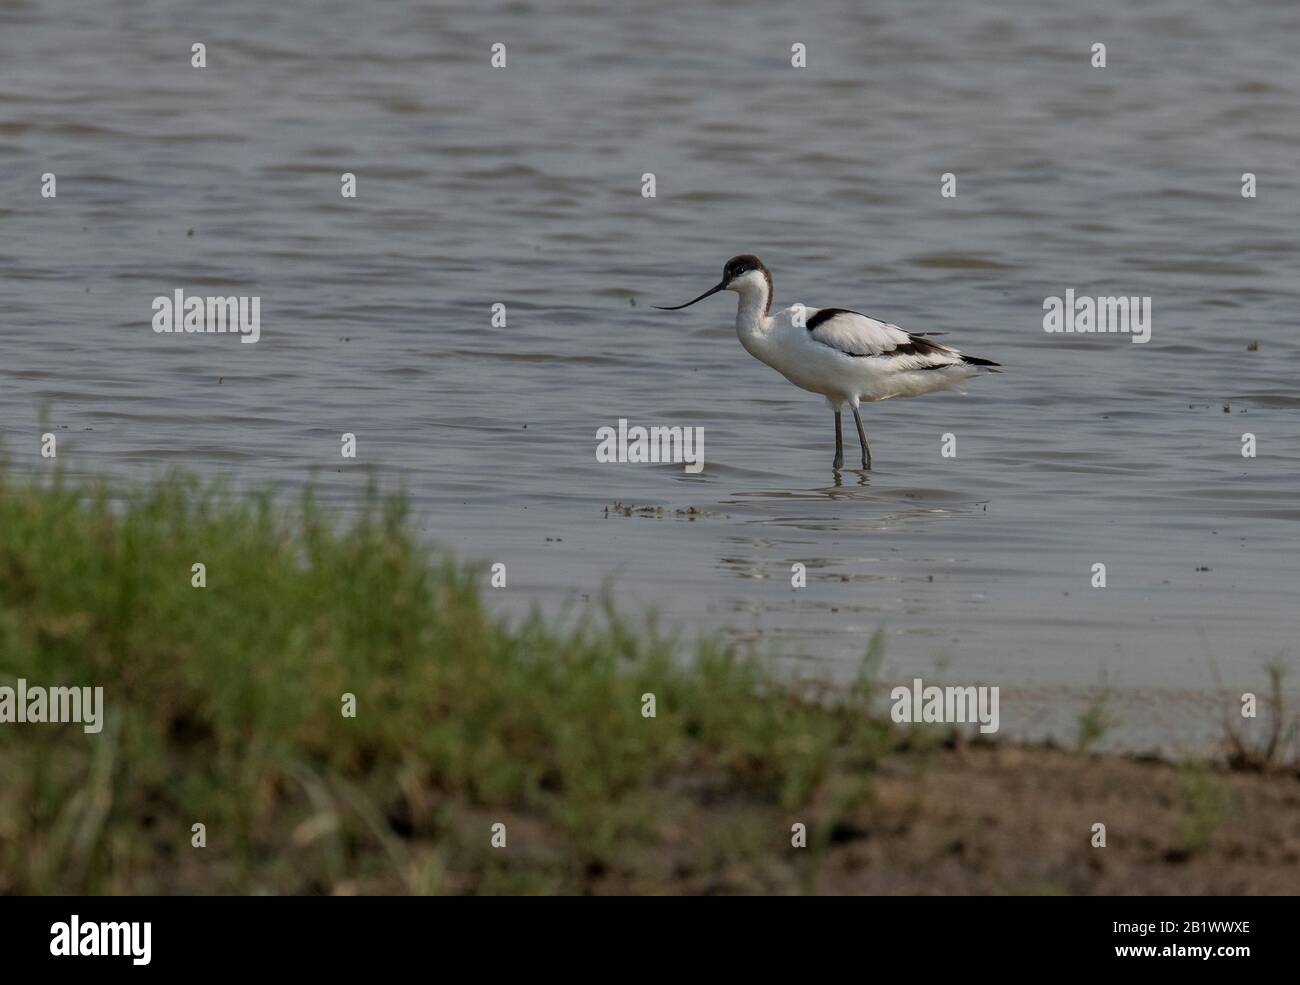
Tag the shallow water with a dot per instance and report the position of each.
(522, 186)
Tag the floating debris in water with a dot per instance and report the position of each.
(626, 509)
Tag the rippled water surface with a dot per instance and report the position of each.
(523, 185)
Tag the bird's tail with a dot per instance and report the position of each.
(977, 361)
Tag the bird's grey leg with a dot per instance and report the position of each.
(839, 443)
(862, 438)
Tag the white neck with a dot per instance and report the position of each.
(752, 322)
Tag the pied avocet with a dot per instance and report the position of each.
(844, 355)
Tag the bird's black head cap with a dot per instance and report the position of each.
(743, 264)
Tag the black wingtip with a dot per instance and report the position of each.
(977, 361)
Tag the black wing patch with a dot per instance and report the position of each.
(826, 314)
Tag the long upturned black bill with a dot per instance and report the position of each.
(678, 307)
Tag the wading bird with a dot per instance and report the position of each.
(844, 355)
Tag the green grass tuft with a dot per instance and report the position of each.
(223, 706)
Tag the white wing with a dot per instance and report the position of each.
(855, 334)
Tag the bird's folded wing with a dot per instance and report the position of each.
(856, 334)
